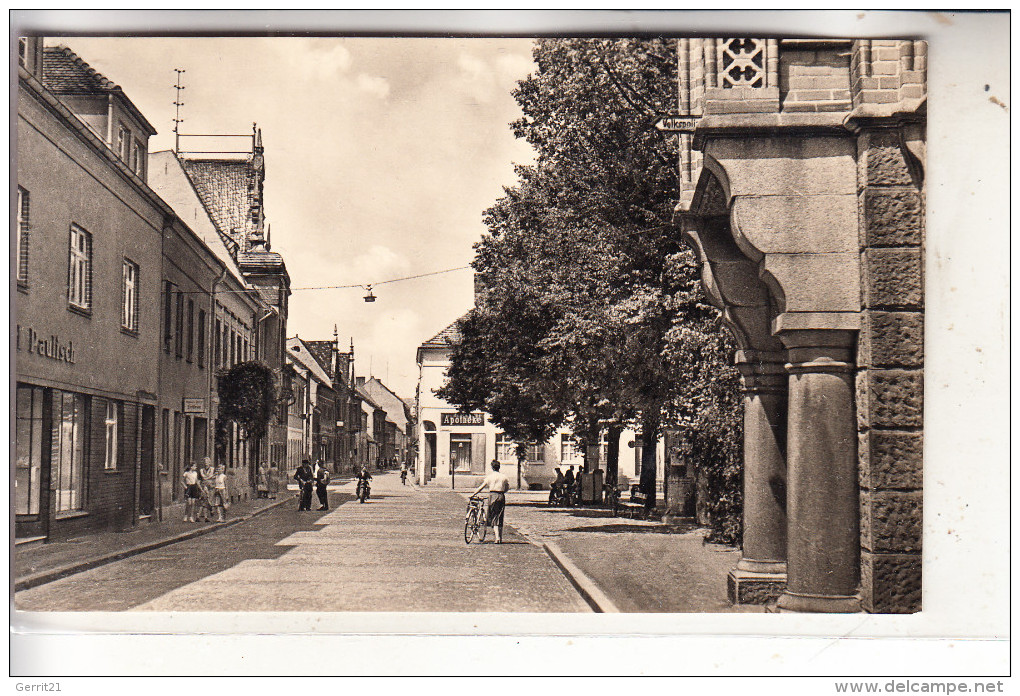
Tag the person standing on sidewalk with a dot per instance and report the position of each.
(205, 481)
(220, 501)
(304, 478)
(498, 484)
(321, 481)
(192, 492)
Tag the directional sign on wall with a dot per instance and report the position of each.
(675, 123)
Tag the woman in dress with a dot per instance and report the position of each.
(263, 480)
(205, 480)
(219, 496)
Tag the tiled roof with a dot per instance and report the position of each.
(298, 351)
(225, 187)
(447, 337)
(322, 351)
(65, 73)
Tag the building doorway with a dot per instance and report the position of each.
(146, 484)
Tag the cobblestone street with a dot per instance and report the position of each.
(403, 550)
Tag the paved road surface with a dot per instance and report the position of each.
(403, 550)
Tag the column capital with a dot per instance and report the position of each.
(819, 350)
(761, 372)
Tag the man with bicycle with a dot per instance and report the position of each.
(498, 484)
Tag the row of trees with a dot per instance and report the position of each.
(589, 310)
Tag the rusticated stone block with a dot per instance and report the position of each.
(890, 459)
(891, 583)
(891, 217)
(891, 521)
(881, 160)
(891, 339)
(747, 588)
(892, 278)
(890, 398)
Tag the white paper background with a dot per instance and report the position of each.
(967, 483)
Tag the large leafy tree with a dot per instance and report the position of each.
(590, 308)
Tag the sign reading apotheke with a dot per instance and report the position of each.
(462, 419)
(194, 405)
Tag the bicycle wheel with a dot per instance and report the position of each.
(470, 523)
(481, 526)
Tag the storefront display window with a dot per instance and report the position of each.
(68, 436)
(28, 438)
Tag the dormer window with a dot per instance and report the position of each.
(124, 143)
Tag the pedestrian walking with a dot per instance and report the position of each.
(205, 480)
(498, 484)
(304, 478)
(403, 473)
(192, 492)
(220, 499)
(274, 480)
(321, 481)
(262, 482)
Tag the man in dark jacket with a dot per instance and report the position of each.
(304, 478)
(321, 481)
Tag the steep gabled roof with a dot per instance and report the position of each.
(225, 187)
(297, 351)
(322, 351)
(65, 73)
(447, 337)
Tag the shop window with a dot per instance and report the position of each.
(28, 439)
(112, 423)
(23, 228)
(129, 295)
(79, 285)
(68, 433)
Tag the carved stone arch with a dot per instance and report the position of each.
(731, 280)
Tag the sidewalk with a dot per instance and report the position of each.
(37, 563)
(626, 564)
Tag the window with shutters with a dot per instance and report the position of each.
(22, 238)
(168, 315)
(79, 292)
(179, 343)
(191, 330)
(201, 338)
(129, 295)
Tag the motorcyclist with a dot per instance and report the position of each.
(363, 478)
(403, 473)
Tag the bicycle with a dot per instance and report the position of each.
(612, 498)
(474, 519)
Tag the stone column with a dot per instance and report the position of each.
(760, 575)
(823, 545)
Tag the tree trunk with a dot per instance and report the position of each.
(649, 439)
(613, 454)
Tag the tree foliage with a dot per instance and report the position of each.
(590, 308)
(247, 394)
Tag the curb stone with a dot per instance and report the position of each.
(47, 576)
(595, 597)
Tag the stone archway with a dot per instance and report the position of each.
(774, 222)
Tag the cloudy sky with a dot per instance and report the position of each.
(381, 155)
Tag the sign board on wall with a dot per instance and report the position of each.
(462, 419)
(194, 405)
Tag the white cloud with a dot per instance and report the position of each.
(377, 263)
(376, 86)
(314, 59)
(514, 66)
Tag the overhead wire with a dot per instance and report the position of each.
(329, 287)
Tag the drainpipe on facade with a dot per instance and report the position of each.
(210, 421)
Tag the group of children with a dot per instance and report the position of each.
(205, 491)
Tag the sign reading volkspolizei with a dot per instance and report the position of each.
(462, 419)
(674, 123)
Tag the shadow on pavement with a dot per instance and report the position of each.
(637, 529)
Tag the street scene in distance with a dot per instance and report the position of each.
(559, 325)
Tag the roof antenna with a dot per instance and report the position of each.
(177, 112)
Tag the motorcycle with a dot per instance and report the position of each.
(364, 489)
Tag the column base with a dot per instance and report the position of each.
(750, 587)
(818, 604)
